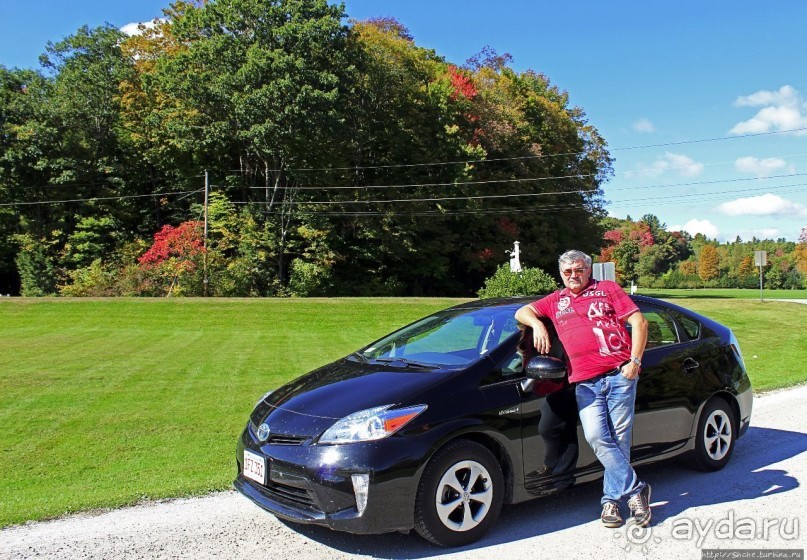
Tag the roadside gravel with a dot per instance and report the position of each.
(766, 481)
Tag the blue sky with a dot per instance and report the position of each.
(656, 79)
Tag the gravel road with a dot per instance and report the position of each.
(758, 502)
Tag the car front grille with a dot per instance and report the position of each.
(291, 495)
(282, 439)
(277, 439)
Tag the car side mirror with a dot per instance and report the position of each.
(545, 367)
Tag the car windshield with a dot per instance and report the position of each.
(450, 338)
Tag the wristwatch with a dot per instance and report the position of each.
(636, 361)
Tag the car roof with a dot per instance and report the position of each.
(523, 300)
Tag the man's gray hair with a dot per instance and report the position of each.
(570, 257)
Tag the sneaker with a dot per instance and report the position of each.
(610, 515)
(639, 505)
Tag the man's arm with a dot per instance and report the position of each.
(540, 336)
(638, 342)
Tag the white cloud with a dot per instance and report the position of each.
(762, 167)
(782, 110)
(764, 205)
(643, 125)
(787, 95)
(134, 28)
(683, 165)
(693, 227)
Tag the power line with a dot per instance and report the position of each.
(711, 196)
(446, 198)
(713, 182)
(96, 184)
(527, 195)
(501, 181)
(93, 199)
(521, 180)
(451, 184)
(435, 199)
(520, 210)
(541, 156)
(438, 213)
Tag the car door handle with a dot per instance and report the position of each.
(690, 365)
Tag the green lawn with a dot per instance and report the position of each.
(108, 402)
(724, 293)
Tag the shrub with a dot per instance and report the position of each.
(133, 280)
(309, 279)
(528, 282)
(94, 280)
(36, 267)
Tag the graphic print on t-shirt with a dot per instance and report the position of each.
(610, 337)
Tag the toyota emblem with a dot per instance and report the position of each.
(263, 432)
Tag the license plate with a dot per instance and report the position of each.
(255, 467)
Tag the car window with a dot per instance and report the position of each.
(660, 327)
(690, 326)
(513, 366)
(461, 333)
(454, 338)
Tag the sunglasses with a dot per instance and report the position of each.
(577, 271)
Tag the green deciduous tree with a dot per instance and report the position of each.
(299, 117)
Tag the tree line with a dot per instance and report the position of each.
(342, 159)
(647, 254)
(275, 148)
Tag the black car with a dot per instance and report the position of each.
(437, 425)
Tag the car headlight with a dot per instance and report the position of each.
(371, 424)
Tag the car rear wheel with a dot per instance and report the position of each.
(460, 494)
(716, 436)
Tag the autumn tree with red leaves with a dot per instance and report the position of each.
(175, 257)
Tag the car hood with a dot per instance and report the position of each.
(312, 403)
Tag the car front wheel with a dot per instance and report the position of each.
(460, 494)
(716, 436)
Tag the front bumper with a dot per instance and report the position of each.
(312, 484)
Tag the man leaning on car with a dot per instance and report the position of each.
(589, 316)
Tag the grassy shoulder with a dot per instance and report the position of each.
(724, 293)
(108, 402)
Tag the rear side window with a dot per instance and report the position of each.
(690, 326)
(660, 327)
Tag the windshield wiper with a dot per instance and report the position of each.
(361, 357)
(407, 363)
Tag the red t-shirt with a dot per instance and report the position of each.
(591, 326)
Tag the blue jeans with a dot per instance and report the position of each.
(606, 404)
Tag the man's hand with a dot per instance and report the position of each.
(540, 338)
(630, 371)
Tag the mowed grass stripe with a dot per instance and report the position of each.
(108, 402)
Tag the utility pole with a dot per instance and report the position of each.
(204, 243)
